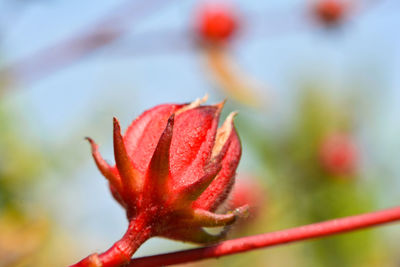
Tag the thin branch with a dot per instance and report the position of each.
(66, 52)
(239, 245)
(231, 78)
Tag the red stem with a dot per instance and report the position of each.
(121, 252)
(271, 239)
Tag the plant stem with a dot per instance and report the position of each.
(239, 245)
(121, 252)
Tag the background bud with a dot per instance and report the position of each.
(338, 154)
(216, 23)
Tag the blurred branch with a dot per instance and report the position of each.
(244, 244)
(230, 77)
(153, 43)
(62, 54)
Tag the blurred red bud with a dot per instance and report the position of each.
(248, 191)
(330, 12)
(338, 154)
(216, 23)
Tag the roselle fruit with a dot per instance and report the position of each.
(174, 167)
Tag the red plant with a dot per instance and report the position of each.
(174, 167)
(338, 154)
(216, 23)
(330, 12)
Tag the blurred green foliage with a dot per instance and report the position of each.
(22, 163)
(28, 235)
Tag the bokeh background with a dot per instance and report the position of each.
(318, 102)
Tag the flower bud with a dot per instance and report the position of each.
(338, 154)
(330, 12)
(248, 191)
(216, 23)
(173, 168)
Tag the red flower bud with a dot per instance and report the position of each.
(338, 154)
(248, 191)
(330, 12)
(216, 23)
(174, 167)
